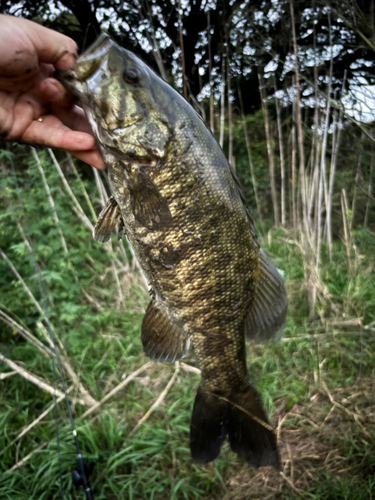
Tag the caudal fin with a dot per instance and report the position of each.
(239, 415)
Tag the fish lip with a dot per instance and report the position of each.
(100, 47)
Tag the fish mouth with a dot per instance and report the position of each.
(99, 48)
(86, 65)
(126, 126)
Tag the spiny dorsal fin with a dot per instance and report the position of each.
(162, 338)
(108, 218)
(266, 317)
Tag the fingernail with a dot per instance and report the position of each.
(66, 61)
(50, 90)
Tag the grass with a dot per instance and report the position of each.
(317, 383)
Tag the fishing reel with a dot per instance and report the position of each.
(77, 475)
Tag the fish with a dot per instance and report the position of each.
(181, 206)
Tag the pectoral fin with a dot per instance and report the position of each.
(108, 218)
(149, 206)
(266, 317)
(162, 339)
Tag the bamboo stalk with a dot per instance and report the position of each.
(222, 102)
(322, 178)
(248, 149)
(23, 284)
(347, 237)
(51, 202)
(335, 150)
(282, 158)
(369, 189)
(154, 43)
(68, 189)
(229, 109)
(271, 159)
(183, 69)
(83, 189)
(299, 128)
(357, 177)
(294, 178)
(212, 121)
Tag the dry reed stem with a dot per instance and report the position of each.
(157, 402)
(354, 415)
(116, 389)
(253, 417)
(39, 382)
(289, 482)
(51, 202)
(86, 396)
(46, 351)
(49, 352)
(33, 299)
(83, 189)
(189, 368)
(25, 459)
(68, 189)
(6, 375)
(23, 284)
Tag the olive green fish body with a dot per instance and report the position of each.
(178, 200)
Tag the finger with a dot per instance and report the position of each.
(92, 157)
(26, 109)
(73, 118)
(55, 93)
(52, 47)
(49, 45)
(53, 134)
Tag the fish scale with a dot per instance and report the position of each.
(184, 214)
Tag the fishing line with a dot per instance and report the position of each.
(82, 473)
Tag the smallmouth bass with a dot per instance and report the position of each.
(180, 204)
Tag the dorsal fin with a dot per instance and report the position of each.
(162, 338)
(266, 316)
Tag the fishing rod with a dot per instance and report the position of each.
(80, 476)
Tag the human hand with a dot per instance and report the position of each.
(34, 107)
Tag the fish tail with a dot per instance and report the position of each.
(242, 417)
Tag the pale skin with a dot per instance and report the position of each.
(34, 107)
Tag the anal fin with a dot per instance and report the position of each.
(266, 316)
(162, 338)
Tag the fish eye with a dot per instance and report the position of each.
(131, 76)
